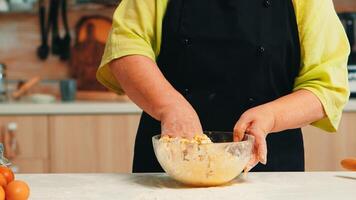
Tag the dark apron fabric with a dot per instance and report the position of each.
(226, 56)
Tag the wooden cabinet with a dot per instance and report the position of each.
(32, 139)
(104, 143)
(92, 143)
(324, 151)
(74, 143)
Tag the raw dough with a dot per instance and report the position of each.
(199, 162)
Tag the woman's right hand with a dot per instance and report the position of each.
(179, 119)
(145, 84)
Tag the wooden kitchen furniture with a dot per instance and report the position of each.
(97, 143)
(99, 137)
(32, 137)
(324, 151)
(73, 137)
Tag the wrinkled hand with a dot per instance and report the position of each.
(257, 121)
(180, 120)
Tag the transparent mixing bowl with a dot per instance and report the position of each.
(204, 164)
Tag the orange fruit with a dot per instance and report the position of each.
(3, 181)
(7, 173)
(17, 190)
(2, 194)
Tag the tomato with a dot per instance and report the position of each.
(2, 194)
(17, 190)
(7, 173)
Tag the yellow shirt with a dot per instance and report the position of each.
(137, 29)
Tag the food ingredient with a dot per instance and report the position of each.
(197, 139)
(7, 173)
(199, 162)
(17, 190)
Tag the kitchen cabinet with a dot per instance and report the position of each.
(98, 143)
(73, 143)
(99, 137)
(80, 136)
(324, 151)
(32, 142)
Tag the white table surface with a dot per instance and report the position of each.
(256, 186)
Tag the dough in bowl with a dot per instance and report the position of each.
(199, 162)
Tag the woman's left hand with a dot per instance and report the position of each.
(258, 121)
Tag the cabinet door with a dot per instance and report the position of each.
(324, 151)
(95, 143)
(32, 140)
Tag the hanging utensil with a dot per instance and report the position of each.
(56, 40)
(43, 50)
(65, 43)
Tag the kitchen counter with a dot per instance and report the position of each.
(77, 107)
(88, 107)
(256, 186)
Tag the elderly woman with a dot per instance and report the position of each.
(259, 67)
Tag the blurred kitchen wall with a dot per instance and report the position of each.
(20, 38)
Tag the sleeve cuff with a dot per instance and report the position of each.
(333, 116)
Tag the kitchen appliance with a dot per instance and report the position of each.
(349, 22)
(3, 85)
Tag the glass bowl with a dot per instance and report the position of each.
(204, 165)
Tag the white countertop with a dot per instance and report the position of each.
(256, 186)
(88, 107)
(77, 107)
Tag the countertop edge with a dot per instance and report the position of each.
(95, 108)
(69, 108)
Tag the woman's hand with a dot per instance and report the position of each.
(145, 84)
(179, 119)
(257, 121)
(294, 110)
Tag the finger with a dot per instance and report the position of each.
(261, 145)
(252, 163)
(241, 127)
(253, 159)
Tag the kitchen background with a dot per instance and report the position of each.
(45, 130)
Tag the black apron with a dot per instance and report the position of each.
(226, 56)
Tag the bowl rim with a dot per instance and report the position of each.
(247, 139)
